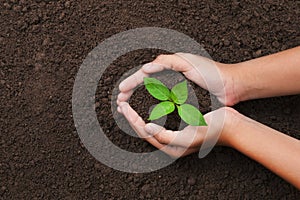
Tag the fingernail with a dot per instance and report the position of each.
(149, 129)
(119, 109)
(152, 128)
(121, 86)
(119, 97)
(147, 66)
(123, 107)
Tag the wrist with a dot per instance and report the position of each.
(231, 79)
(247, 84)
(234, 121)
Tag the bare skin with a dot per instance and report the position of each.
(273, 75)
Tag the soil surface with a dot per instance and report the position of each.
(43, 44)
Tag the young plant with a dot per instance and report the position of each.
(171, 99)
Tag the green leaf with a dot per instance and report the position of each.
(162, 109)
(191, 115)
(179, 92)
(157, 89)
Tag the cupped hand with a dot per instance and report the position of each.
(184, 142)
(209, 75)
(216, 77)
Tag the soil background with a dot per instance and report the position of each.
(43, 44)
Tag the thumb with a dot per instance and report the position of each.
(153, 128)
(163, 62)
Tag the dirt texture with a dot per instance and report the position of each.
(43, 44)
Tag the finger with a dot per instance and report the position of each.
(204, 72)
(137, 78)
(152, 67)
(132, 81)
(173, 62)
(124, 96)
(119, 110)
(161, 63)
(191, 136)
(176, 151)
(133, 118)
(138, 124)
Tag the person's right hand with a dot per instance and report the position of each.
(216, 77)
(191, 139)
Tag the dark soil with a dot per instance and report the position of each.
(43, 43)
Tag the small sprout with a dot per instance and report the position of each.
(171, 99)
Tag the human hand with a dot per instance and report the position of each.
(187, 141)
(216, 77)
(206, 73)
(254, 141)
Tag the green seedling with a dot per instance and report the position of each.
(171, 99)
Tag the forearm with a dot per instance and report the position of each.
(274, 75)
(276, 151)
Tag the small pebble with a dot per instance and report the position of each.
(181, 193)
(62, 15)
(17, 8)
(226, 42)
(97, 165)
(258, 52)
(273, 118)
(215, 18)
(87, 185)
(236, 43)
(7, 6)
(146, 187)
(214, 41)
(275, 44)
(39, 56)
(68, 4)
(105, 100)
(256, 14)
(191, 181)
(24, 9)
(97, 104)
(46, 41)
(37, 67)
